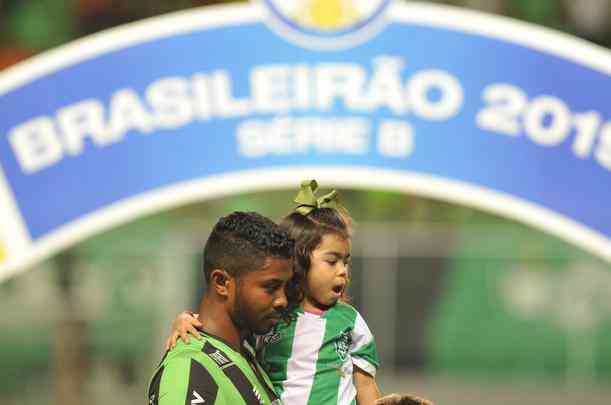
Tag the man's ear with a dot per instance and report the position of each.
(220, 281)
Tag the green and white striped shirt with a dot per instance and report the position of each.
(310, 361)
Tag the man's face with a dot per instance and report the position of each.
(260, 296)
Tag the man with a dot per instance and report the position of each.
(247, 263)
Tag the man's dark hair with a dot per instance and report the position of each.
(242, 241)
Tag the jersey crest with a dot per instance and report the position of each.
(272, 338)
(342, 345)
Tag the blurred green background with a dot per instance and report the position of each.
(467, 307)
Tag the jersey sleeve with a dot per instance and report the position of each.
(183, 380)
(363, 347)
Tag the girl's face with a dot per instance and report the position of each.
(328, 275)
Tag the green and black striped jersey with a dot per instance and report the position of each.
(210, 372)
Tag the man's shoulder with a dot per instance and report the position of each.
(186, 374)
(199, 361)
(207, 350)
(184, 350)
(182, 357)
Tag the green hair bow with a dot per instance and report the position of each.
(306, 198)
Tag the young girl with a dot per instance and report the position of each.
(325, 353)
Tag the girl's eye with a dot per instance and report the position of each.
(331, 262)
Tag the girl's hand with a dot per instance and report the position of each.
(184, 324)
(402, 399)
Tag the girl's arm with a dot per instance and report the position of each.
(368, 393)
(367, 390)
(184, 324)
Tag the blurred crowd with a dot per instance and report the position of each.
(28, 27)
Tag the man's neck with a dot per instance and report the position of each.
(216, 321)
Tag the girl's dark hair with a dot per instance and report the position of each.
(307, 231)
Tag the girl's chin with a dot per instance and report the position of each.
(329, 302)
(321, 305)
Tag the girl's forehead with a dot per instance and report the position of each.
(334, 243)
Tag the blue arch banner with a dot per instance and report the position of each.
(443, 102)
